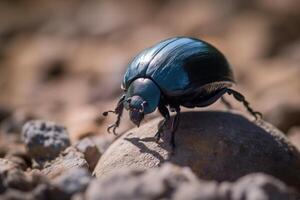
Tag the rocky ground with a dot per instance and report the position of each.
(61, 65)
(203, 166)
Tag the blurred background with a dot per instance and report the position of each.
(64, 60)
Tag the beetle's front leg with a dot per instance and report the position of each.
(118, 111)
(163, 110)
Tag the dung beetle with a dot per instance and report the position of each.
(179, 71)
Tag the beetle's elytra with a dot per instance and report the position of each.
(180, 71)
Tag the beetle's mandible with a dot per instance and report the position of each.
(180, 71)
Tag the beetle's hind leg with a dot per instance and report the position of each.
(118, 111)
(238, 96)
(163, 110)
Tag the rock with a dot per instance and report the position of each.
(250, 187)
(44, 140)
(41, 192)
(13, 194)
(70, 158)
(173, 182)
(260, 186)
(19, 157)
(13, 177)
(6, 166)
(139, 184)
(90, 151)
(215, 145)
(19, 180)
(73, 181)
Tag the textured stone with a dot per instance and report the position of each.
(70, 158)
(261, 187)
(12, 177)
(173, 182)
(90, 151)
(139, 184)
(73, 181)
(7, 165)
(215, 145)
(44, 140)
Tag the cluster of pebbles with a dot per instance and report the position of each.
(226, 156)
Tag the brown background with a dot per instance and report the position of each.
(64, 60)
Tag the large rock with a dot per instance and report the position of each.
(215, 145)
(44, 140)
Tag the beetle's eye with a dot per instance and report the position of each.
(128, 100)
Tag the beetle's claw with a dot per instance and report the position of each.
(157, 136)
(113, 127)
(106, 112)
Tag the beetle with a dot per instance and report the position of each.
(179, 71)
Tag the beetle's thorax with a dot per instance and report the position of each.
(143, 91)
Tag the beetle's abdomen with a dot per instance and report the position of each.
(179, 64)
(206, 68)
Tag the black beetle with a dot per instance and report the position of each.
(180, 71)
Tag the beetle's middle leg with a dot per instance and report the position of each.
(238, 96)
(118, 111)
(163, 110)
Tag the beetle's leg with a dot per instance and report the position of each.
(226, 103)
(238, 96)
(163, 110)
(118, 111)
(175, 124)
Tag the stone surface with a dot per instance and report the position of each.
(139, 184)
(173, 182)
(73, 181)
(44, 139)
(250, 187)
(20, 157)
(216, 145)
(12, 177)
(7, 165)
(70, 158)
(90, 150)
(260, 186)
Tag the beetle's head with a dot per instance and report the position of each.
(136, 107)
(142, 97)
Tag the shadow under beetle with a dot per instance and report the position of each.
(179, 71)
